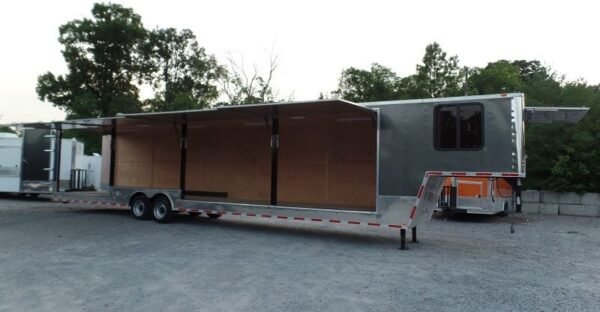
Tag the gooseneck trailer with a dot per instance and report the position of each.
(379, 164)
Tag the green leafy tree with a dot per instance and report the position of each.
(497, 77)
(561, 157)
(439, 75)
(567, 157)
(103, 60)
(377, 84)
(539, 83)
(183, 75)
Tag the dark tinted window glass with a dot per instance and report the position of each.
(446, 126)
(470, 126)
(458, 126)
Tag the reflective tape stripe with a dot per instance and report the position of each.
(237, 213)
(420, 191)
(473, 174)
(412, 212)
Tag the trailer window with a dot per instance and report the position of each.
(458, 126)
(446, 126)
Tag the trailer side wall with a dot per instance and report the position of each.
(407, 144)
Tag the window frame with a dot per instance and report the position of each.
(436, 109)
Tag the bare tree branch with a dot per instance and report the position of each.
(247, 87)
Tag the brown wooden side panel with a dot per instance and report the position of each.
(352, 164)
(229, 158)
(147, 157)
(303, 155)
(166, 157)
(327, 163)
(352, 184)
(133, 159)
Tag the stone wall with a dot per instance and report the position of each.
(570, 204)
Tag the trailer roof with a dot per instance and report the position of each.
(287, 109)
(268, 110)
(445, 99)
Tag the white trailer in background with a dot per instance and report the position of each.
(380, 164)
(28, 162)
(77, 170)
(92, 165)
(10, 162)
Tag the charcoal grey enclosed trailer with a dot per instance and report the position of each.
(378, 164)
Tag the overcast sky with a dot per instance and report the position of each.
(315, 40)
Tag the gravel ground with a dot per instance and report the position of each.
(56, 257)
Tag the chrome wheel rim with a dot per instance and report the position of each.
(138, 208)
(160, 210)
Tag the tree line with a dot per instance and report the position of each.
(111, 56)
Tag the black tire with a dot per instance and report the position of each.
(33, 195)
(141, 207)
(162, 210)
(193, 214)
(214, 215)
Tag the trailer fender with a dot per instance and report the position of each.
(133, 195)
(167, 195)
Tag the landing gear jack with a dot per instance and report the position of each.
(403, 237)
(414, 235)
